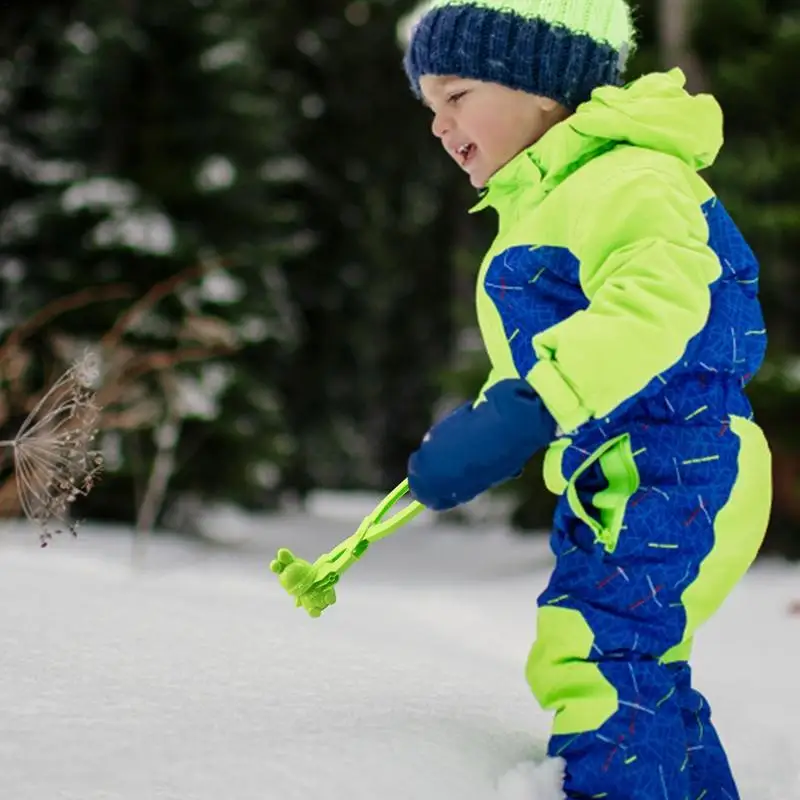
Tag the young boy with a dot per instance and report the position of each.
(619, 308)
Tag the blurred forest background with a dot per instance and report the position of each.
(240, 205)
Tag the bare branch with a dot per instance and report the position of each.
(167, 438)
(52, 453)
(150, 299)
(141, 415)
(71, 302)
(156, 362)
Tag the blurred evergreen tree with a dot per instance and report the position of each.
(750, 54)
(374, 207)
(133, 139)
(284, 147)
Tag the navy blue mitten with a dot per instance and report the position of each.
(473, 449)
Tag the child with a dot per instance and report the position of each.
(619, 308)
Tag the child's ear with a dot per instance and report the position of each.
(548, 105)
(552, 109)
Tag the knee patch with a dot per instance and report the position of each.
(561, 676)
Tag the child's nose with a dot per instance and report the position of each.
(440, 125)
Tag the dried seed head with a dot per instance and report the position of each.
(53, 456)
(86, 372)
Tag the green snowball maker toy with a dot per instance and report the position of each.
(312, 584)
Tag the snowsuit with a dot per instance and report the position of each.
(621, 289)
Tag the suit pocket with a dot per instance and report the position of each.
(608, 505)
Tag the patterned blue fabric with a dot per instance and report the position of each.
(535, 287)
(709, 770)
(660, 744)
(532, 55)
(631, 600)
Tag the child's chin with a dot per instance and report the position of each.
(478, 181)
(480, 174)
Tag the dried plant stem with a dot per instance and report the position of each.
(53, 456)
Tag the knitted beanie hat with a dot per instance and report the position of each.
(561, 49)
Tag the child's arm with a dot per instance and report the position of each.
(646, 268)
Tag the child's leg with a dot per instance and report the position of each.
(618, 724)
(710, 774)
(611, 624)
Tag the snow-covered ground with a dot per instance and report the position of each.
(194, 677)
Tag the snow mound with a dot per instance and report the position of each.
(196, 678)
(533, 781)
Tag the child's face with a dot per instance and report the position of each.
(484, 125)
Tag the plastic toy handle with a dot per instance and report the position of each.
(312, 585)
(374, 528)
(380, 528)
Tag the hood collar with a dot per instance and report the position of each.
(654, 112)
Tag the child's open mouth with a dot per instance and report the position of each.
(465, 154)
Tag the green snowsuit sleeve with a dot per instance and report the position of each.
(646, 268)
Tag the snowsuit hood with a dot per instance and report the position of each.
(654, 112)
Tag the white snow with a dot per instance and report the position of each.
(82, 37)
(99, 194)
(198, 396)
(22, 161)
(147, 230)
(288, 169)
(12, 270)
(216, 172)
(223, 54)
(195, 678)
(219, 286)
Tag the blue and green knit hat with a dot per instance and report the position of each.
(561, 49)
